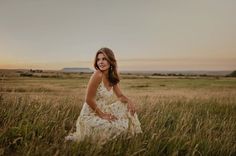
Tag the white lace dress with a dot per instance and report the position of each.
(89, 124)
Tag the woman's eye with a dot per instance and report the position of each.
(99, 59)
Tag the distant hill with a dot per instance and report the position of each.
(77, 70)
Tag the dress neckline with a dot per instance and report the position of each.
(106, 87)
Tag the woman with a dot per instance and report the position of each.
(100, 118)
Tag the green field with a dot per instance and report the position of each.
(178, 115)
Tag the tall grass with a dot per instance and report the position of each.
(176, 119)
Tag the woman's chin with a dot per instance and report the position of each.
(103, 69)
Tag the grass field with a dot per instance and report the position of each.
(178, 115)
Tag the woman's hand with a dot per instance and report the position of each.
(131, 107)
(108, 116)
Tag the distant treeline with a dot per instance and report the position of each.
(179, 74)
(233, 74)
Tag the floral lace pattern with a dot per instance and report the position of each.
(89, 124)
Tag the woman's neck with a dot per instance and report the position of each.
(105, 73)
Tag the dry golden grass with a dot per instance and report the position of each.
(178, 116)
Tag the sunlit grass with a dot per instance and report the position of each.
(178, 117)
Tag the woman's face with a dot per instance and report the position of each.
(102, 62)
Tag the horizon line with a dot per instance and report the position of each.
(122, 70)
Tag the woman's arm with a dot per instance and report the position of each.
(119, 94)
(124, 99)
(93, 83)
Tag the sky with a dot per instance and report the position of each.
(143, 34)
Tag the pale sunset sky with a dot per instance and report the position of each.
(144, 34)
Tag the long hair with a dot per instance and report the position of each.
(113, 76)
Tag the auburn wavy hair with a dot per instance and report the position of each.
(113, 75)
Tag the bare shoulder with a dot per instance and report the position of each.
(116, 86)
(96, 76)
